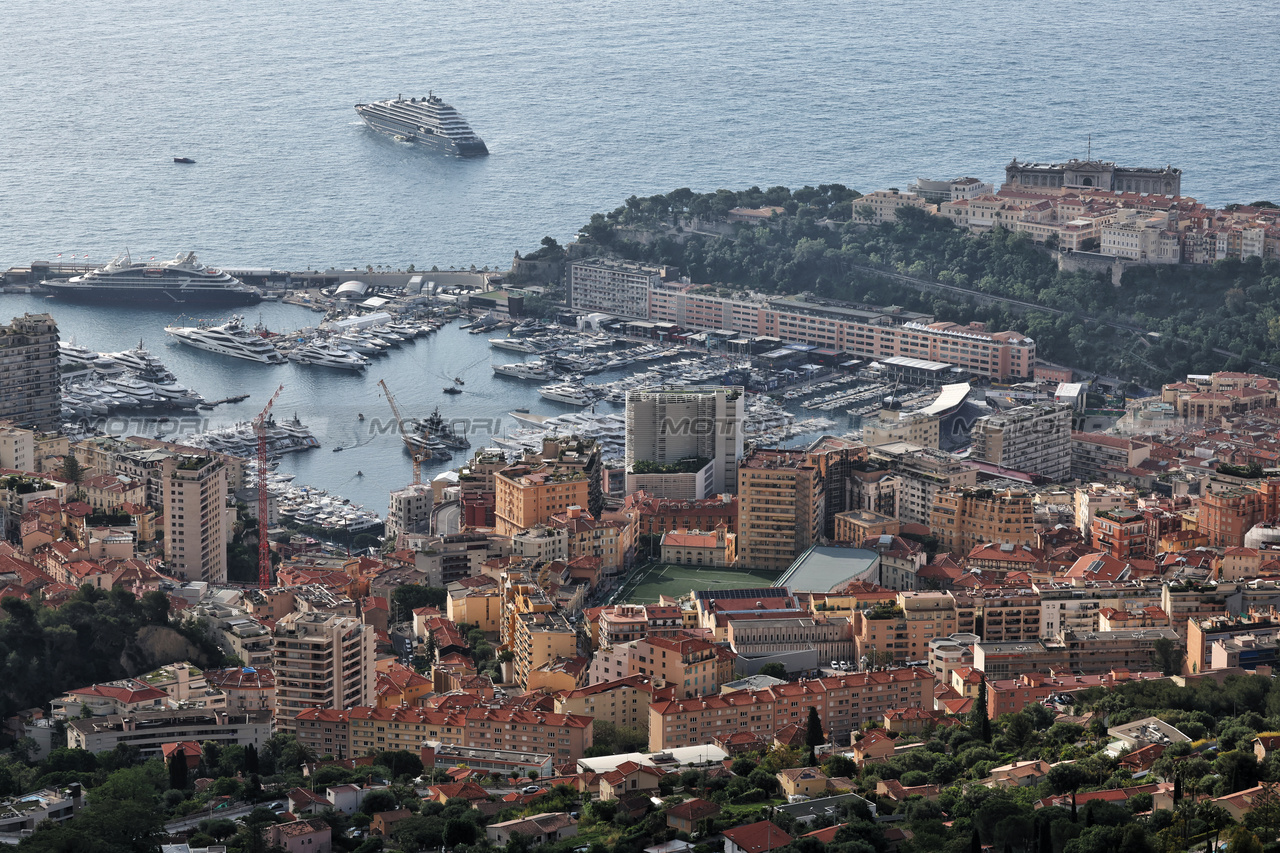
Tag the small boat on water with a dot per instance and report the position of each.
(453, 389)
(458, 380)
(360, 416)
(183, 160)
(338, 449)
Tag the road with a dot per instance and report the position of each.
(446, 518)
(191, 822)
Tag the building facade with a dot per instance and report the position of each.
(780, 508)
(612, 287)
(321, 661)
(1035, 439)
(30, 393)
(669, 425)
(194, 495)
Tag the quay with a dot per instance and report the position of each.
(209, 404)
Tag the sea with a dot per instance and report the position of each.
(582, 104)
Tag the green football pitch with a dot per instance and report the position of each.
(648, 583)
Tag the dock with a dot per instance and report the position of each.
(209, 404)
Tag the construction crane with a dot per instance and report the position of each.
(418, 456)
(264, 545)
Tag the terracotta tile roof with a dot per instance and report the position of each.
(759, 837)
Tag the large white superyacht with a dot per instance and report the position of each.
(230, 338)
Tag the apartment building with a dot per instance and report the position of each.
(656, 516)
(324, 731)
(1035, 439)
(761, 635)
(564, 736)
(1006, 615)
(321, 660)
(1082, 653)
(194, 499)
(541, 638)
(612, 287)
(690, 665)
(246, 688)
(1074, 605)
(667, 425)
(780, 508)
(409, 510)
(585, 536)
(1227, 515)
(963, 519)
(475, 601)
(921, 475)
(843, 703)
(622, 623)
(624, 702)
(1120, 533)
(901, 633)
(865, 331)
(530, 494)
(1097, 497)
(1094, 456)
(30, 374)
(148, 731)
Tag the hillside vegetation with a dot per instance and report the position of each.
(818, 245)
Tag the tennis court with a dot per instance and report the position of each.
(661, 579)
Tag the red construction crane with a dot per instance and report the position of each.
(264, 545)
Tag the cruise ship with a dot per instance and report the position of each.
(182, 281)
(427, 120)
(230, 338)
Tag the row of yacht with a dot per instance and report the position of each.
(97, 384)
(241, 440)
(346, 349)
(308, 506)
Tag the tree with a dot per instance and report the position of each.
(250, 758)
(1168, 656)
(774, 669)
(409, 597)
(1241, 840)
(178, 771)
(72, 473)
(814, 736)
(979, 722)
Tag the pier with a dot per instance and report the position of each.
(209, 404)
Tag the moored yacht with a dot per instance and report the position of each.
(327, 355)
(230, 338)
(573, 395)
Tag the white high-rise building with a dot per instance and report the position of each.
(670, 430)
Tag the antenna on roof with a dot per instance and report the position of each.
(1089, 156)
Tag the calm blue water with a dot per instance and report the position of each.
(582, 104)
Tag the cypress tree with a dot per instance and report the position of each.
(975, 843)
(1073, 806)
(250, 758)
(1046, 838)
(814, 736)
(178, 771)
